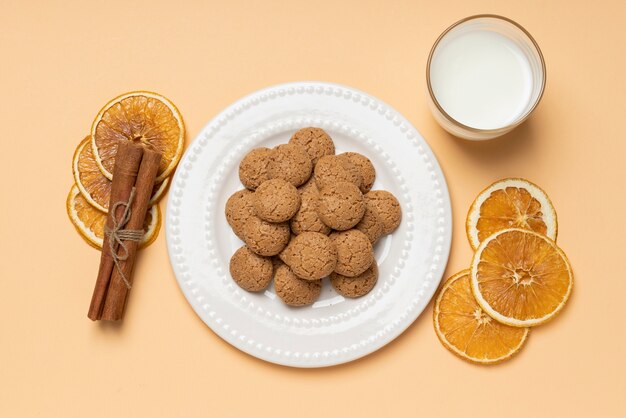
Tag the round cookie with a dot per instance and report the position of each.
(291, 163)
(354, 252)
(341, 205)
(239, 208)
(354, 287)
(266, 238)
(371, 224)
(387, 207)
(306, 218)
(276, 200)
(250, 271)
(365, 166)
(316, 142)
(331, 169)
(310, 255)
(295, 291)
(253, 168)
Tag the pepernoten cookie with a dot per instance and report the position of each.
(316, 142)
(276, 200)
(291, 163)
(306, 218)
(341, 205)
(365, 166)
(371, 224)
(331, 169)
(266, 238)
(239, 209)
(250, 271)
(387, 207)
(354, 287)
(305, 214)
(253, 169)
(295, 291)
(354, 252)
(310, 255)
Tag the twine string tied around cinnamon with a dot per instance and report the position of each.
(118, 235)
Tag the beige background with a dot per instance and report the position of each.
(62, 61)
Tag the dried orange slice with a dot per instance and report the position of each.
(140, 116)
(464, 328)
(520, 278)
(510, 203)
(93, 185)
(89, 221)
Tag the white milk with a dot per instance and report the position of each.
(482, 79)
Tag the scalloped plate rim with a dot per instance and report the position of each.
(329, 360)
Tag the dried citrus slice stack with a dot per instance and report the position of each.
(144, 117)
(518, 278)
(510, 203)
(90, 222)
(466, 330)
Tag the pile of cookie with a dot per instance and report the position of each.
(306, 214)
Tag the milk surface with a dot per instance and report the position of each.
(482, 79)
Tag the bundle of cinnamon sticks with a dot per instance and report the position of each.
(134, 174)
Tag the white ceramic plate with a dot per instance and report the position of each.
(334, 330)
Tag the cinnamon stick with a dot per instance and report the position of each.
(127, 161)
(117, 294)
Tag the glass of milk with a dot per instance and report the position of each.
(485, 76)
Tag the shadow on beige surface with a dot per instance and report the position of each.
(517, 143)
